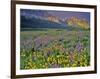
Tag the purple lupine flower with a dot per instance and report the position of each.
(79, 47)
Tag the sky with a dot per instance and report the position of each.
(60, 14)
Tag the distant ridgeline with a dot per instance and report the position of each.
(74, 21)
(53, 22)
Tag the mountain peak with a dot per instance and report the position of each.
(74, 21)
